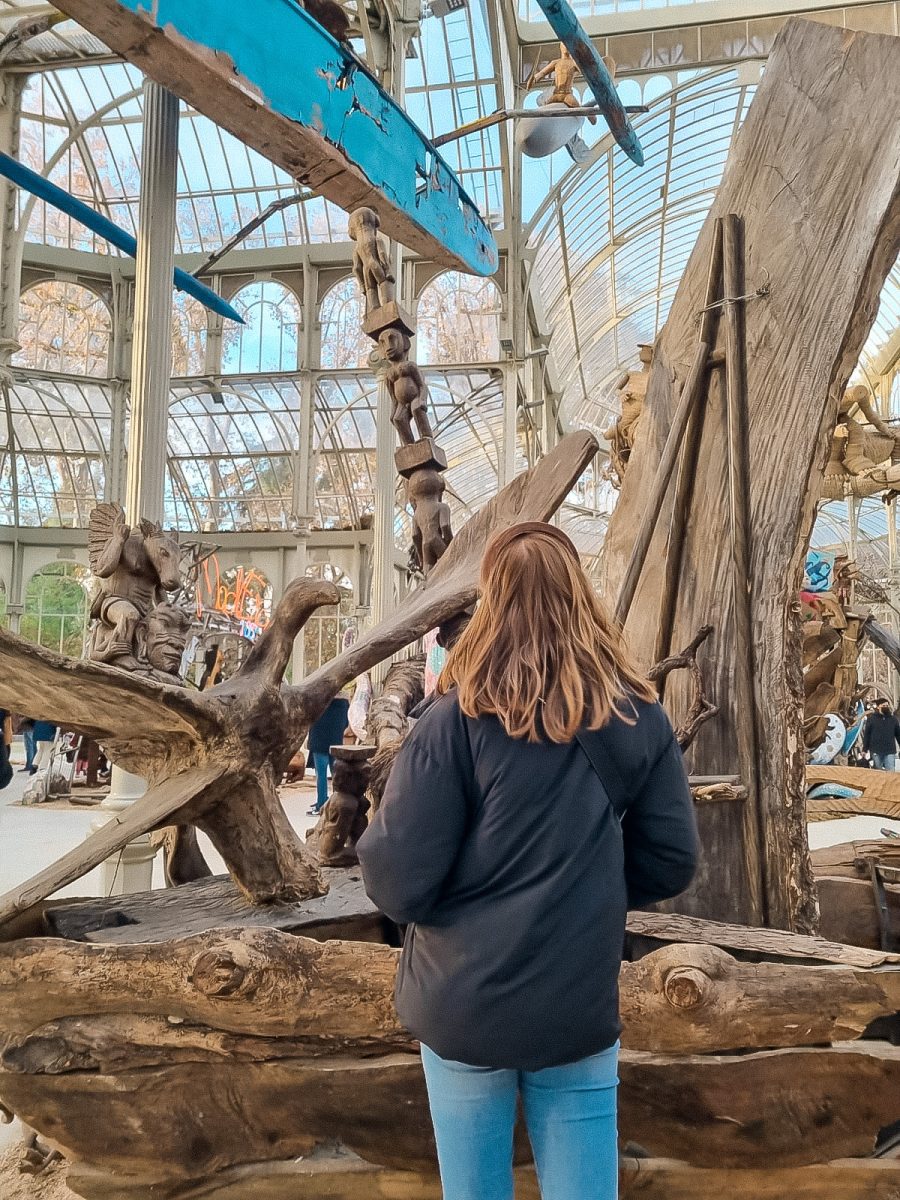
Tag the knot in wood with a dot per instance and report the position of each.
(218, 973)
(685, 987)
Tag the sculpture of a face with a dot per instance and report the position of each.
(394, 344)
(167, 631)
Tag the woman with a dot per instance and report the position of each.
(541, 796)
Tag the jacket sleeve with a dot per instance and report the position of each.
(410, 847)
(659, 830)
(897, 732)
(867, 733)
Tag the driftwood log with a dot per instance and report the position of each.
(793, 1107)
(341, 1176)
(214, 758)
(794, 188)
(850, 860)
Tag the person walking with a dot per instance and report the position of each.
(881, 737)
(533, 804)
(26, 728)
(328, 731)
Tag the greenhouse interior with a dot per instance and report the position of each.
(315, 318)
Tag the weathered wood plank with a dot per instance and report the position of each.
(784, 1107)
(770, 943)
(847, 910)
(333, 1177)
(796, 188)
(217, 903)
(336, 129)
(850, 860)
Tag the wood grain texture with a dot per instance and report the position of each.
(796, 186)
(880, 793)
(850, 860)
(787, 1107)
(848, 913)
(343, 1177)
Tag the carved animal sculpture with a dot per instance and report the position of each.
(136, 568)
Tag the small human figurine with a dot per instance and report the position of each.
(406, 384)
(370, 262)
(431, 516)
(632, 390)
(563, 69)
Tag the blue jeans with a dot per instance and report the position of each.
(30, 747)
(884, 762)
(570, 1112)
(322, 763)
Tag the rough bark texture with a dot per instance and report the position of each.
(806, 220)
(851, 860)
(341, 1176)
(848, 912)
(790, 1107)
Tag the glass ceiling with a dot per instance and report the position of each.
(610, 243)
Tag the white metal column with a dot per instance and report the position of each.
(151, 349)
(151, 375)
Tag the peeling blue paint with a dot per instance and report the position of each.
(304, 74)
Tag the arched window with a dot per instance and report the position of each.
(63, 327)
(327, 629)
(343, 342)
(459, 320)
(189, 330)
(269, 339)
(56, 608)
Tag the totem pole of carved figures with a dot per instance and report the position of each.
(632, 390)
(419, 459)
(345, 815)
(135, 627)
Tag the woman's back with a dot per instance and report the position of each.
(515, 875)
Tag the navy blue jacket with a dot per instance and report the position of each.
(882, 733)
(330, 728)
(514, 872)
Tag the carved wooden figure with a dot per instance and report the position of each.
(431, 516)
(136, 568)
(370, 262)
(345, 815)
(631, 388)
(563, 69)
(406, 384)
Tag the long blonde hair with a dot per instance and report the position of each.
(541, 652)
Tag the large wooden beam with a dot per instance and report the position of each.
(880, 793)
(337, 1176)
(274, 78)
(73, 1005)
(850, 860)
(824, 244)
(786, 1108)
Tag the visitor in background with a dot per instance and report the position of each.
(881, 737)
(328, 731)
(212, 667)
(44, 737)
(6, 737)
(537, 800)
(26, 728)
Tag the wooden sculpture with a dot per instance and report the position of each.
(406, 384)
(214, 758)
(864, 457)
(137, 568)
(563, 69)
(370, 261)
(345, 815)
(631, 390)
(431, 516)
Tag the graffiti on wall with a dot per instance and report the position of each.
(243, 594)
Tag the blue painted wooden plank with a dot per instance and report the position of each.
(24, 177)
(566, 26)
(270, 73)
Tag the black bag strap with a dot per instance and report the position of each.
(608, 774)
